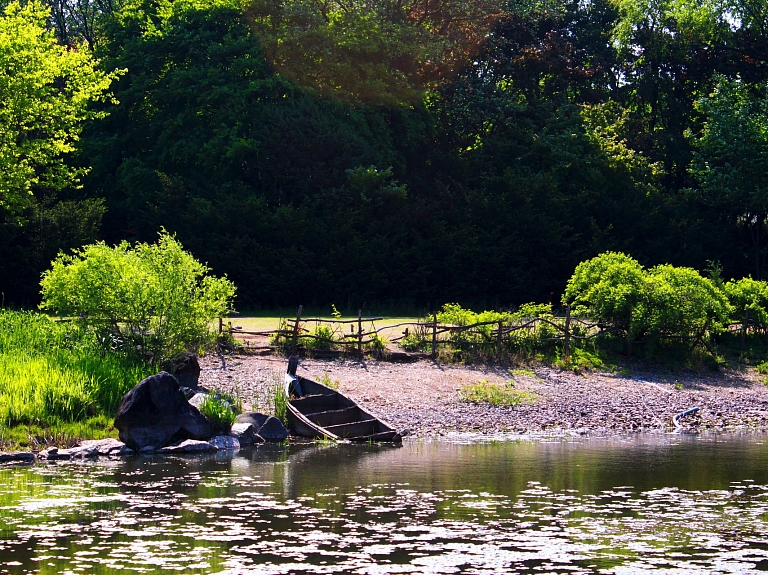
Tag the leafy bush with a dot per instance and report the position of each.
(378, 343)
(323, 338)
(326, 380)
(680, 302)
(156, 298)
(665, 301)
(609, 287)
(748, 294)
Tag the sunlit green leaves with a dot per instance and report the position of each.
(157, 296)
(662, 301)
(382, 52)
(45, 91)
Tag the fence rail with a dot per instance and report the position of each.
(424, 335)
(360, 334)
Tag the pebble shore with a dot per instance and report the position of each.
(423, 397)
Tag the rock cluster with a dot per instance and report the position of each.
(156, 417)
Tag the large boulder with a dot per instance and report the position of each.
(155, 413)
(268, 427)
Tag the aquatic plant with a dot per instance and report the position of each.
(218, 410)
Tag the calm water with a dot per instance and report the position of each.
(670, 504)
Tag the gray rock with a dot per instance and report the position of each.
(187, 370)
(156, 413)
(54, 453)
(268, 427)
(107, 446)
(254, 418)
(197, 399)
(273, 430)
(225, 443)
(189, 446)
(246, 434)
(23, 456)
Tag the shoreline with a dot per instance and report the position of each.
(422, 397)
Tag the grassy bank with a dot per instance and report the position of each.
(58, 381)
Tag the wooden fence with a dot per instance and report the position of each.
(294, 334)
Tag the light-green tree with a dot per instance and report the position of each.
(154, 296)
(45, 93)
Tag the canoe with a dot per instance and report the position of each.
(316, 410)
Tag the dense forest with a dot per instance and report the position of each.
(397, 152)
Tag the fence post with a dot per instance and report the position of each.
(568, 332)
(221, 325)
(744, 325)
(360, 332)
(296, 330)
(434, 336)
(498, 338)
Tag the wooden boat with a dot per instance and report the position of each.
(315, 410)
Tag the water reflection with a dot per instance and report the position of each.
(679, 505)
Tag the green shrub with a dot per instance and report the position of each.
(378, 343)
(748, 294)
(154, 298)
(326, 380)
(665, 301)
(680, 302)
(323, 338)
(218, 411)
(610, 288)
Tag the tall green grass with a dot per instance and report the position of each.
(53, 372)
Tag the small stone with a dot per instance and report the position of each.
(225, 443)
(245, 434)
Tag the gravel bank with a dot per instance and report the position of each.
(423, 396)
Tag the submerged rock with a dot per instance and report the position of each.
(225, 443)
(155, 413)
(189, 446)
(17, 456)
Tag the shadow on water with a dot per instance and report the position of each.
(669, 503)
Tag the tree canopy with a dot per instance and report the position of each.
(45, 92)
(405, 152)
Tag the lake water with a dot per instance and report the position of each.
(672, 504)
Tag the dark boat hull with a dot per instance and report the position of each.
(323, 412)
